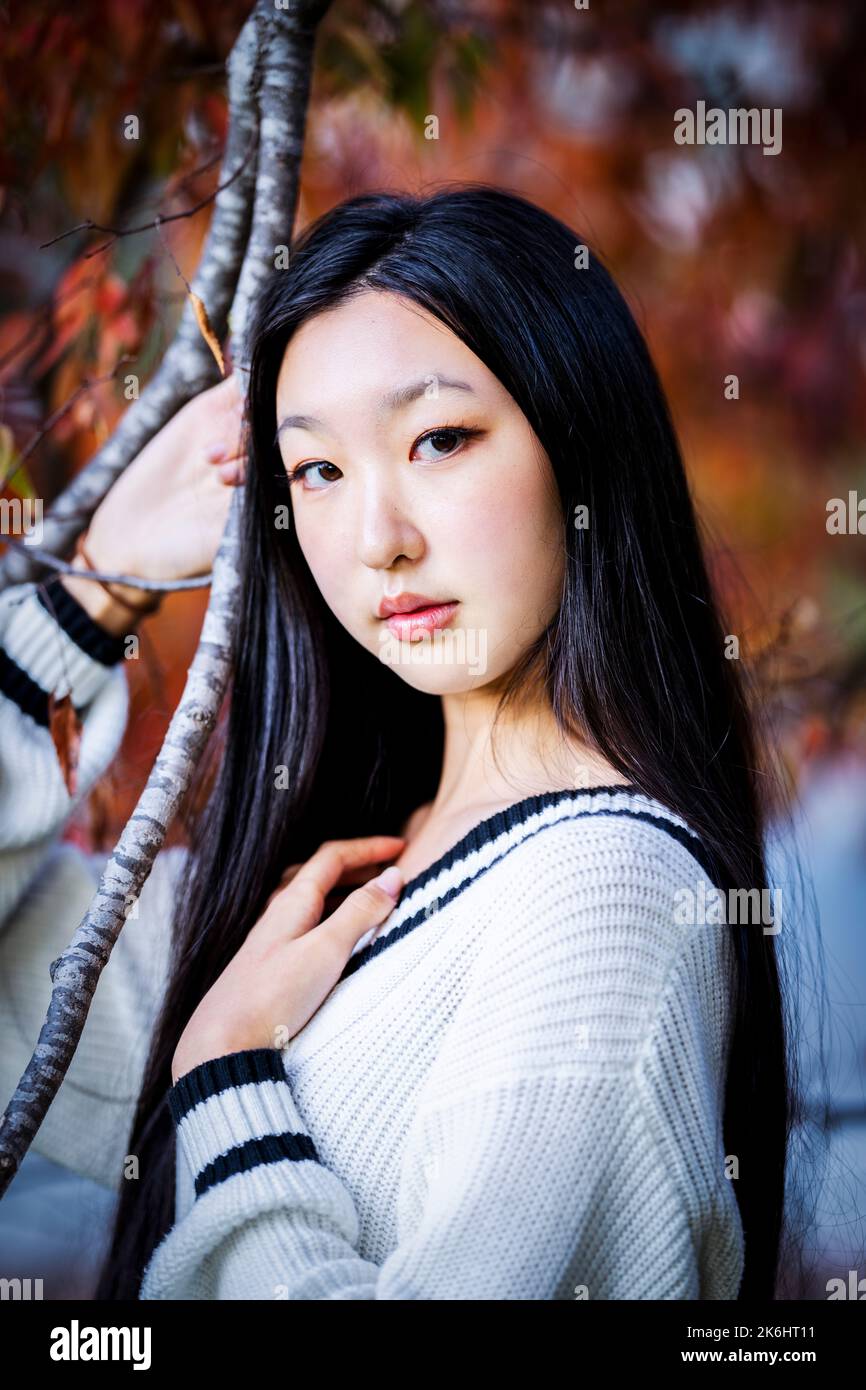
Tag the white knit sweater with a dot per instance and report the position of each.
(515, 1090)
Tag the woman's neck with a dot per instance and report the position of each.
(532, 755)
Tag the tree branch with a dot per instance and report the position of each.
(286, 39)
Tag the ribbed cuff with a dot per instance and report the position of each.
(235, 1114)
(77, 623)
(56, 655)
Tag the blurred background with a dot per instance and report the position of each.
(735, 263)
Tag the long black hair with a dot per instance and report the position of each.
(634, 662)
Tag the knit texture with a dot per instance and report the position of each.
(515, 1090)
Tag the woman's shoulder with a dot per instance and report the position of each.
(587, 939)
(611, 843)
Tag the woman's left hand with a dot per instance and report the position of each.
(290, 961)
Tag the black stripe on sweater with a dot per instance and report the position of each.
(222, 1074)
(271, 1148)
(77, 623)
(250, 1066)
(23, 690)
(515, 815)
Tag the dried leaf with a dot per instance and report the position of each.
(13, 475)
(207, 332)
(65, 727)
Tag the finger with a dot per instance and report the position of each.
(297, 907)
(232, 385)
(224, 467)
(353, 879)
(232, 471)
(228, 390)
(224, 449)
(233, 403)
(367, 907)
(331, 860)
(285, 878)
(346, 884)
(362, 874)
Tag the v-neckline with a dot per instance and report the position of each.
(495, 832)
(496, 822)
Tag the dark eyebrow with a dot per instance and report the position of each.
(392, 400)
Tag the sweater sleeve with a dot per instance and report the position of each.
(567, 1143)
(49, 644)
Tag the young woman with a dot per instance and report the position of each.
(477, 640)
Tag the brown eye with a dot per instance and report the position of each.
(444, 441)
(304, 468)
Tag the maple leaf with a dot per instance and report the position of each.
(65, 727)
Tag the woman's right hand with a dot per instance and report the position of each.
(164, 516)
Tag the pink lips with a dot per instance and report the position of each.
(421, 620)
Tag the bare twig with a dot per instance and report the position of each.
(135, 581)
(42, 321)
(32, 444)
(118, 232)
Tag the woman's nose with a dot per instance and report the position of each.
(386, 532)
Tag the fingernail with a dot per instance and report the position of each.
(216, 451)
(391, 880)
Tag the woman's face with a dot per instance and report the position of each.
(394, 499)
